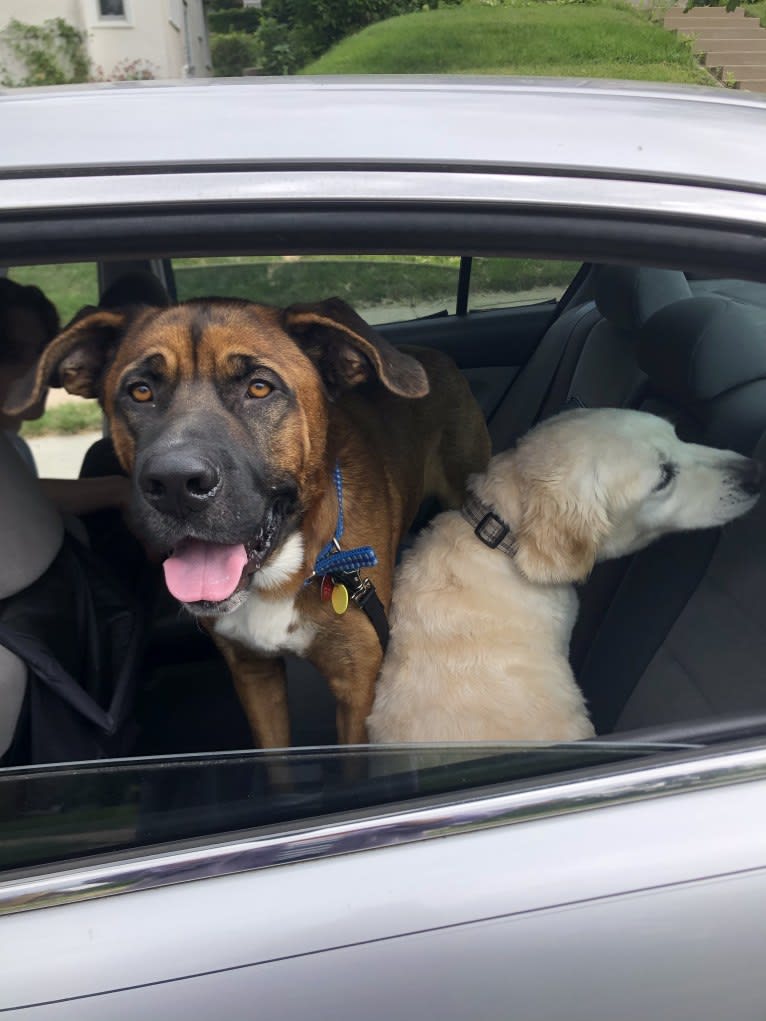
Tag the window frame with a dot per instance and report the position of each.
(701, 242)
(124, 20)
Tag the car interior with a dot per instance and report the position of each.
(669, 643)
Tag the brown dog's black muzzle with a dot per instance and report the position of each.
(179, 482)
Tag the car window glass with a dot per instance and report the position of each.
(54, 813)
(503, 283)
(381, 288)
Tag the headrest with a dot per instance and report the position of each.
(139, 287)
(627, 296)
(31, 529)
(697, 349)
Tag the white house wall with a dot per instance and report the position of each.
(169, 37)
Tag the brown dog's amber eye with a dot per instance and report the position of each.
(141, 392)
(259, 388)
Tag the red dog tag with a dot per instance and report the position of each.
(325, 588)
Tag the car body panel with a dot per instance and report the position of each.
(610, 872)
(620, 957)
(597, 128)
(551, 193)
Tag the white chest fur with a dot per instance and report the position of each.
(269, 625)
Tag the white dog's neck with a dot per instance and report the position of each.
(499, 491)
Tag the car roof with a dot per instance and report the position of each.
(631, 130)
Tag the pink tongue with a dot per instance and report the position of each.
(204, 571)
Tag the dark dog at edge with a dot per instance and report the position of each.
(232, 419)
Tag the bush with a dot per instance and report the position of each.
(233, 52)
(281, 50)
(244, 19)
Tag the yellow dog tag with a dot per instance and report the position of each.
(339, 598)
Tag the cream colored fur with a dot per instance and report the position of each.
(479, 639)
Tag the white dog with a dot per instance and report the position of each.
(484, 605)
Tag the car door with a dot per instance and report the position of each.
(612, 883)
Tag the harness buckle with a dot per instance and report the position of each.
(359, 589)
(362, 592)
(495, 536)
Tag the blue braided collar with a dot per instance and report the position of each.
(334, 560)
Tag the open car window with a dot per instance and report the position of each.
(383, 289)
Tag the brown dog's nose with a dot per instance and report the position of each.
(178, 483)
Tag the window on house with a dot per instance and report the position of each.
(112, 9)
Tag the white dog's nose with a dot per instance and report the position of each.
(752, 476)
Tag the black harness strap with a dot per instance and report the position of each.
(362, 593)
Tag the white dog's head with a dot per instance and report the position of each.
(589, 485)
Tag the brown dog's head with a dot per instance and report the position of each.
(219, 410)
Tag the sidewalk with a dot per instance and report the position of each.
(60, 457)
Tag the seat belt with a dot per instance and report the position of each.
(525, 398)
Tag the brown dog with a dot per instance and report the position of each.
(231, 418)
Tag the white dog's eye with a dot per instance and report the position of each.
(668, 472)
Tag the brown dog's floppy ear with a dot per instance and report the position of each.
(75, 360)
(558, 538)
(348, 351)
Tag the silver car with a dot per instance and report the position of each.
(568, 242)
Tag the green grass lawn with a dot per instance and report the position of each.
(757, 10)
(77, 417)
(599, 39)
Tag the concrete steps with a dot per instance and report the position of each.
(732, 45)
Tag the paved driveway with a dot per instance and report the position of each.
(60, 457)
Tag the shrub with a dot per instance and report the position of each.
(281, 49)
(244, 19)
(233, 52)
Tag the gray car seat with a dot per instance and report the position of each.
(70, 638)
(588, 355)
(31, 534)
(685, 634)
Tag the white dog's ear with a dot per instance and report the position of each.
(558, 538)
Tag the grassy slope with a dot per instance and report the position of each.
(757, 10)
(603, 40)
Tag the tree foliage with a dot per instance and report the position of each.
(245, 19)
(293, 32)
(233, 52)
